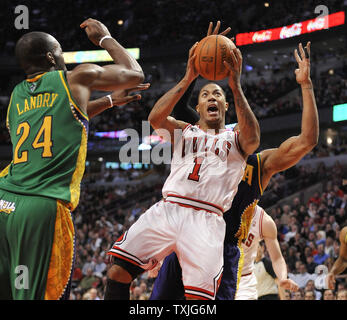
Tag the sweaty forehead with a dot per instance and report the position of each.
(210, 87)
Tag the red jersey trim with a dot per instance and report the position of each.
(195, 200)
(261, 224)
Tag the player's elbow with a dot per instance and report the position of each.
(154, 120)
(309, 142)
(133, 77)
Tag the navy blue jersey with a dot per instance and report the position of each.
(238, 220)
(169, 285)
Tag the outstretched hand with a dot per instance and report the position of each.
(302, 74)
(122, 97)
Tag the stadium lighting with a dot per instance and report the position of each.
(94, 56)
(340, 112)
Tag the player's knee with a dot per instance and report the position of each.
(118, 273)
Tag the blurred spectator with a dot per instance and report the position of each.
(100, 266)
(136, 293)
(88, 280)
(302, 277)
(315, 199)
(297, 295)
(310, 286)
(341, 294)
(328, 295)
(89, 264)
(286, 295)
(309, 295)
(290, 234)
(321, 256)
(145, 294)
(93, 294)
(310, 264)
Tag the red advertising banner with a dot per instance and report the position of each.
(296, 29)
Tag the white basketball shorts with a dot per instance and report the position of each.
(196, 236)
(247, 288)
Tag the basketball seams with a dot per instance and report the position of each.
(215, 47)
(215, 58)
(200, 55)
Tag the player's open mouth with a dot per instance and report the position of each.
(212, 109)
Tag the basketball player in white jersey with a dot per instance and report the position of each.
(262, 228)
(260, 168)
(207, 165)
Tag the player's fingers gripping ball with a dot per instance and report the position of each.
(210, 54)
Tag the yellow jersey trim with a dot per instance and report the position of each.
(79, 171)
(8, 113)
(60, 265)
(259, 174)
(69, 95)
(240, 265)
(36, 78)
(4, 172)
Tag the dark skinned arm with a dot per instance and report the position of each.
(295, 148)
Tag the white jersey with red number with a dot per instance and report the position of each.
(206, 169)
(247, 289)
(250, 246)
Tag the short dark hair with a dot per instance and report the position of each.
(32, 47)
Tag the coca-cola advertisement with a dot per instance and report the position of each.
(296, 29)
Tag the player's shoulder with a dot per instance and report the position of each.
(269, 229)
(267, 218)
(84, 72)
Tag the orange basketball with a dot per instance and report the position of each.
(210, 54)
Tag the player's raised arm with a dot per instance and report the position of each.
(341, 263)
(159, 116)
(125, 73)
(293, 149)
(248, 124)
(269, 231)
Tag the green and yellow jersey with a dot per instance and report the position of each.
(49, 138)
